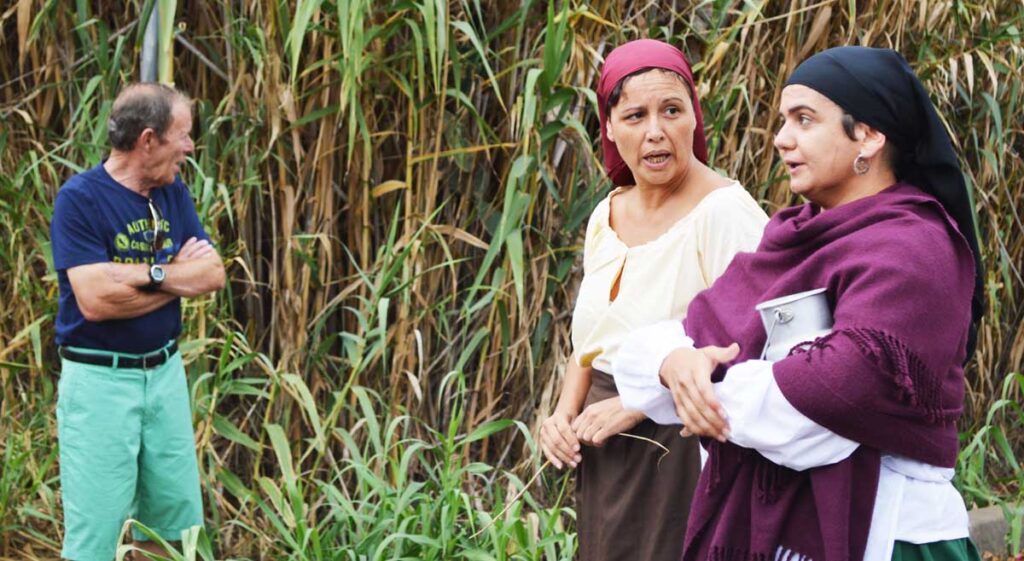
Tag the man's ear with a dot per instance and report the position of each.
(146, 139)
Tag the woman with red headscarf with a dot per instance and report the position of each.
(666, 232)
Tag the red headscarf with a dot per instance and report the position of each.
(625, 60)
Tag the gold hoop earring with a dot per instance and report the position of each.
(861, 165)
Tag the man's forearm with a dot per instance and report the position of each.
(106, 291)
(118, 294)
(194, 277)
(130, 302)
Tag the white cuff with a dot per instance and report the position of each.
(637, 365)
(760, 417)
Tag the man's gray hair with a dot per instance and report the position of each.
(141, 106)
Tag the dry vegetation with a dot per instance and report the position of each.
(399, 189)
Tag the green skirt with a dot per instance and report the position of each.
(950, 550)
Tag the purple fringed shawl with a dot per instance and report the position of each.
(899, 277)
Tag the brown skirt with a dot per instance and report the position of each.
(628, 506)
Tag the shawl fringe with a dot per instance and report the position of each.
(820, 344)
(915, 384)
(770, 478)
(719, 553)
(714, 468)
(783, 554)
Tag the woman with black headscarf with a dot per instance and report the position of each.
(845, 448)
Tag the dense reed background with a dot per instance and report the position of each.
(399, 189)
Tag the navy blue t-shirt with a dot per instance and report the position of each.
(98, 220)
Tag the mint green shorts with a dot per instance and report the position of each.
(126, 450)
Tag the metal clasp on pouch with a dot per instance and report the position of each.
(780, 316)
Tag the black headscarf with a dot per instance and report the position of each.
(877, 87)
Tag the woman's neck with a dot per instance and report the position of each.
(690, 187)
(855, 189)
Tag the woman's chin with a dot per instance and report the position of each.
(798, 187)
(656, 175)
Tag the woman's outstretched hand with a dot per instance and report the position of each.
(604, 419)
(558, 440)
(687, 374)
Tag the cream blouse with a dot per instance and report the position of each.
(660, 277)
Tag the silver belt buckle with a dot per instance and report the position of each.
(149, 361)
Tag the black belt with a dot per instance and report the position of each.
(151, 360)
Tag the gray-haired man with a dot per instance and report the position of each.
(127, 245)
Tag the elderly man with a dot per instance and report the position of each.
(127, 245)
